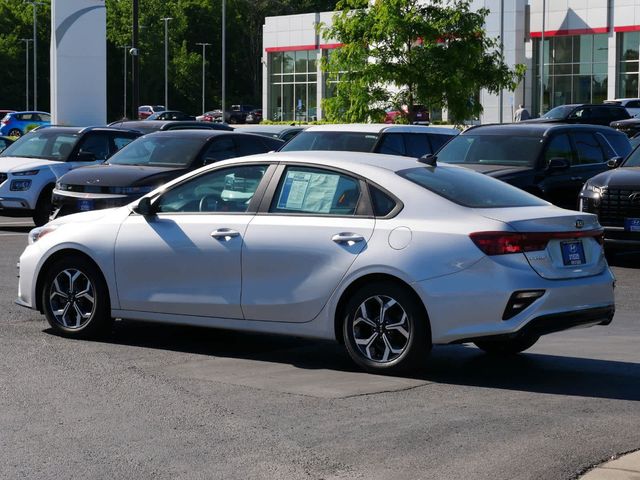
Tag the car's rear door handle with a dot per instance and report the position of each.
(348, 238)
(225, 234)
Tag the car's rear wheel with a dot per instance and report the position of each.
(75, 298)
(507, 347)
(44, 207)
(386, 329)
(15, 132)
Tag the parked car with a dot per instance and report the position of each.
(631, 104)
(420, 115)
(614, 196)
(585, 114)
(630, 126)
(236, 114)
(170, 115)
(407, 140)
(148, 126)
(207, 116)
(384, 254)
(281, 132)
(149, 162)
(254, 116)
(15, 124)
(145, 111)
(5, 142)
(550, 161)
(30, 167)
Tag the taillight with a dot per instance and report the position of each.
(502, 243)
(4, 121)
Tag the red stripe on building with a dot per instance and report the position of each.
(577, 31)
(293, 48)
(628, 28)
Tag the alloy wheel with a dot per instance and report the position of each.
(381, 329)
(72, 298)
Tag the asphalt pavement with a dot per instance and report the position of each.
(159, 401)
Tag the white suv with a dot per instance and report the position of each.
(30, 167)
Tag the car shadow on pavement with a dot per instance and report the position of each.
(454, 364)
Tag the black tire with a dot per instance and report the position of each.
(44, 207)
(507, 347)
(412, 350)
(15, 132)
(90, 279)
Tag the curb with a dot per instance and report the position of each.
(626, 467)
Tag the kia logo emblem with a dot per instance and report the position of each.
(579, 223)
(635, 197)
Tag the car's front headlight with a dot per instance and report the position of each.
(20, 185)
(592, 188)
(39, 232)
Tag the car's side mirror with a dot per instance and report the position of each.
(84, 156)
(145, 207)
(557, 164)
(429, 159)
(614, 162)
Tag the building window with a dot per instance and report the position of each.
(575, 70)
(293, 86)
(628, 47)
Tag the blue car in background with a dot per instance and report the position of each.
(15, 124)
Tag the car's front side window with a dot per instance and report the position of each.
(228, 190)
(314, 191)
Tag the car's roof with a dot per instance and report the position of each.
(622, 99)
(191, 133)
(272, 128)
(30, 111)
(155, 125)
(380, 127)
(79, 130)
(530, 129)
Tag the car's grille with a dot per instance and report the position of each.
(3, 177)
(84, 188)
(616, 205)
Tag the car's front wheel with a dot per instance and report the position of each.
(386, 329)
(75, 298)
(507, 347)
(15, 132)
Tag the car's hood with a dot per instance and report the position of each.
(617, 178)
(8, 164)
(493, 170)
(628, 122)
(120, 176)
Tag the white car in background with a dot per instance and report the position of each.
(385, 254)
(631, 104)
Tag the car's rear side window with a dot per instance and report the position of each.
(619, 142)
(383, 204)
(470, 189)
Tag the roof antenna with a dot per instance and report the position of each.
(430, 159)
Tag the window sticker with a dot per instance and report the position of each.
(307, 191)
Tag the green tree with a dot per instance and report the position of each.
(398, 52)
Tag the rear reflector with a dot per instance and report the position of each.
(501, 243)
(519, 301)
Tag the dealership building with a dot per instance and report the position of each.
(589, 51)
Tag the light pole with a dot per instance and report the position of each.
(124, 103)
(35, 51)
(544, 9)
(204, 49)
(224, 60)
(26, 78)
(135, 63)
(166, 61)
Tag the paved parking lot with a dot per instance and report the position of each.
(155, 401)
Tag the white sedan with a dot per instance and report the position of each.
(383, 253)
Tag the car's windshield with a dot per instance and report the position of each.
(469, 188)
(509, 150)
(46, 144)
(633, 160)
(334, 141)
(558, 113)
(159, 151)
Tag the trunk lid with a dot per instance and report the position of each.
(574, 248)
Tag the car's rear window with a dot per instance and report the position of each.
(470, 189)
(333, 141)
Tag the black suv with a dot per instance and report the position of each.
(550, 161)
(615, 197)
(585, 114)
(149, 162)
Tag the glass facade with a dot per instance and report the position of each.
(628, 47)
(293, 85)
(575, 70)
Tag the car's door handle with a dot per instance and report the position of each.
(348, 238)
(225, 234)
(575, 179)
